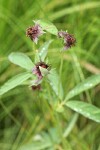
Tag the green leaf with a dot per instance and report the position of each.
(48, 26)
(55, 83)
(36, 146)
(43, 143)
(44, 49)
(85, 85)
(15, 81)
(42, 52)
(54, 135)
(44, 71)
(21, 60)
(88, 110)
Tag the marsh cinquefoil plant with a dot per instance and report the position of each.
(40, 70)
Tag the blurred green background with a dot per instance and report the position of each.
(25, 116)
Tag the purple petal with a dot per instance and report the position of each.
(62, 34)
(34, 32)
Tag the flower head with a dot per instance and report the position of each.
(69, 39)
(34, 32)
(36, 70)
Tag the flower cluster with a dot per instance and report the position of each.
(36, 70)
(34, 32)
(69, 39)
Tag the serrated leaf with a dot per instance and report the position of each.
(85, 85)
(21, 60)
(55, 83)
(15, 81)
(44, 49)
(88, 110)
(48, 26)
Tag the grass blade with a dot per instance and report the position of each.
(73, 9)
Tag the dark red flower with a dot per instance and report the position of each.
(34, 32)
(36, 70)
(69, 39)
(36, 87)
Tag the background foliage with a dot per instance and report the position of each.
(26, 120)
